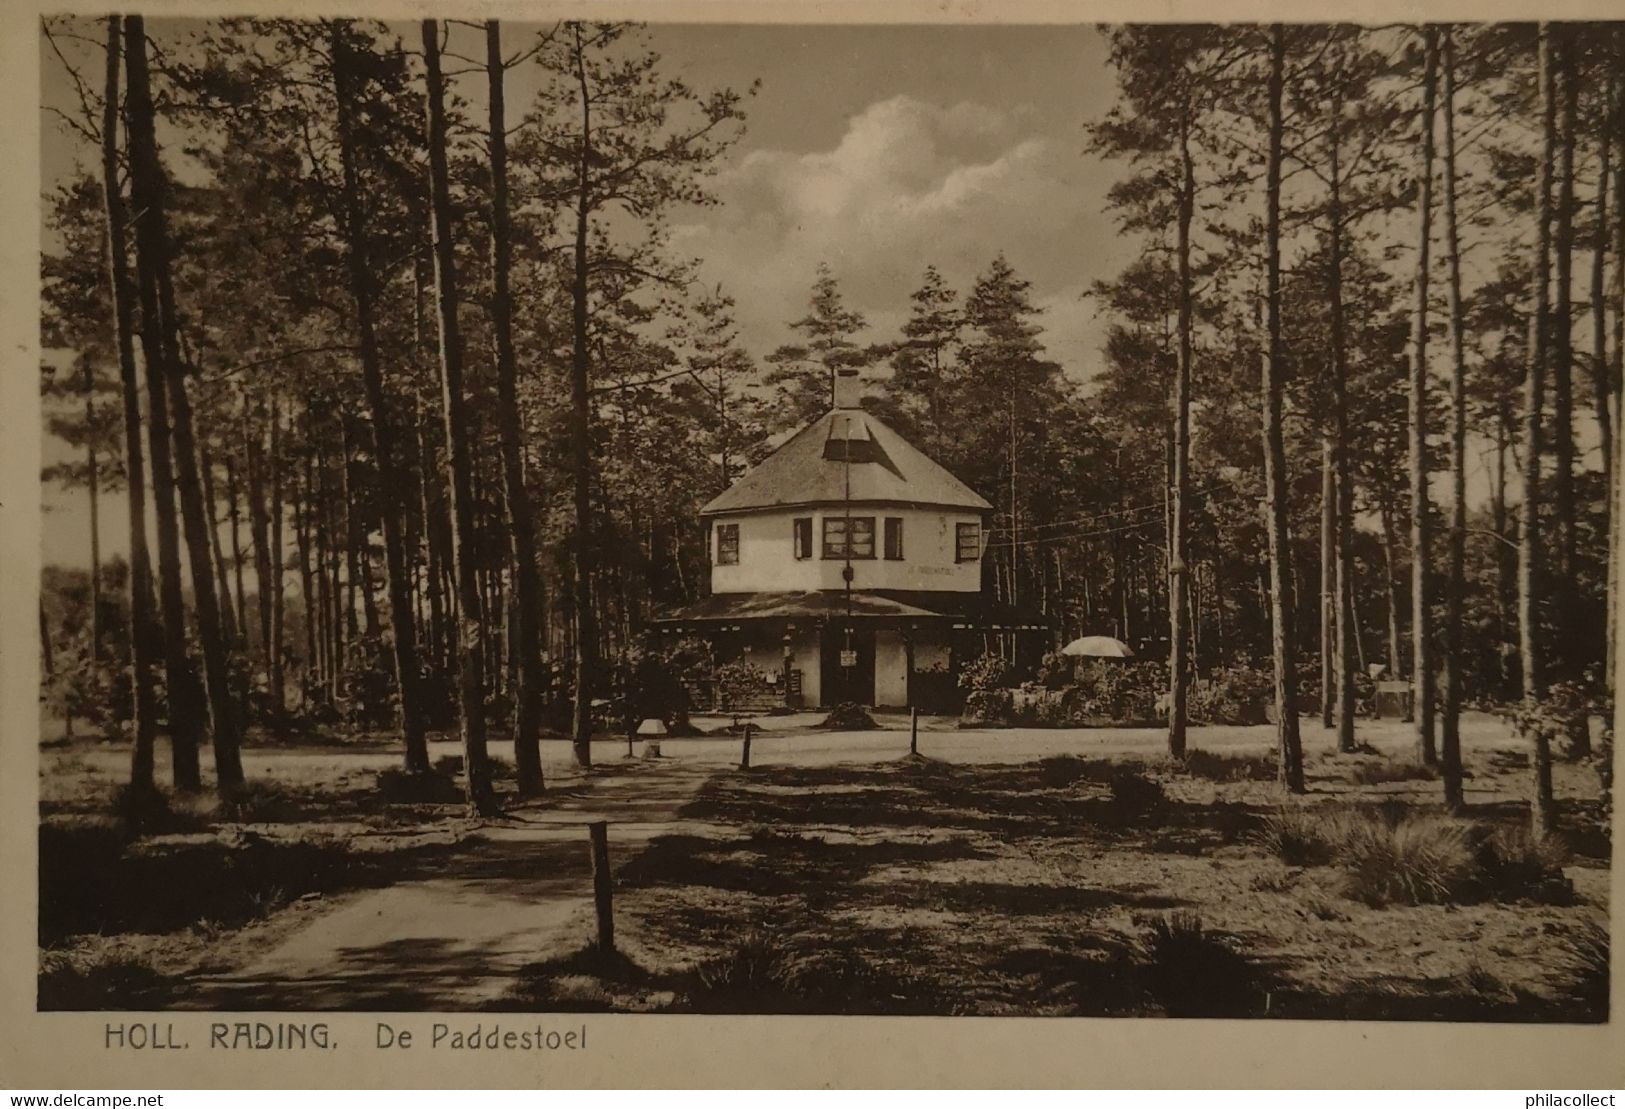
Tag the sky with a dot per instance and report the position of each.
(876, 149)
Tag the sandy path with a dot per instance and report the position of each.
(517, 893)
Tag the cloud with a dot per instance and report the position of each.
(908, 184)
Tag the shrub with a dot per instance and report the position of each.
(987, 671)
(1057, 671)
(368, 687)
(1192, 972)
(988, 706)
(1120, 691)
(848, 717)
(1234, 694)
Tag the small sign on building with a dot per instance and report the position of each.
(849, 658)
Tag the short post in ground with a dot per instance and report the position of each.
(598, 840)
(913, 732)
(744, 751)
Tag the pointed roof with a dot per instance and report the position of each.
(811, 468)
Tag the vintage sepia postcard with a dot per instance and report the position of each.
(524, 523)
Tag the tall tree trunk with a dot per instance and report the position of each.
(276, 652)
(93, 483)
(185, 715)
(1178, 665)
(148, 187)
(304, 508)
(234, 511)
(1390, 542)
(1328, 582)
(1421, 593)
(228, 621)
(522, 524)
(1283, 604)
(586, 629)
(362, 292)
(1505, 568)
(1542, 808)
(143, 617)
(1562, 350)
(1601, 385)
(1455, 587)
(1343, 527)
(259, 522)
(459, 433)
(1616, 374)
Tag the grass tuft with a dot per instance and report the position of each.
(1193, 972)
(400, 787)
(1218, 767)
(1133, 792)
(1585, 963)
(1387, 771)
(105, 979)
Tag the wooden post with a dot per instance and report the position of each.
(598, 837)
(914, 732)
(744, 754)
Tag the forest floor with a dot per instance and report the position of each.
(1012, 871)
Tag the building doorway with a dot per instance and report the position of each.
(841, 684)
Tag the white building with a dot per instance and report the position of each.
(847, 566)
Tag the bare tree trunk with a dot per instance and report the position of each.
(234, 511)
(93, 483)
(228, 622)
(304, 508)
(525, 641)
(143, 617)
(278, 560)
(586, 630)
(259, 522)
(459, 433)
(1328, 583)
(1600, 378)
(1562, 351)
(1178, 666)
(1343, 478)
(1450, 730)
(1390, 541)
(148, 189)
(1283, 606)
(1542, 809)
(1421, 599)
(362, 291)
(186, 724)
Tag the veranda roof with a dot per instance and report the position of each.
(812, 606)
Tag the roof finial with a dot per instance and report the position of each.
(848, 389)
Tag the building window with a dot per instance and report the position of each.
(967, 542)
(894, 538)
(862, 538)
(727, 544)
(802, 527)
